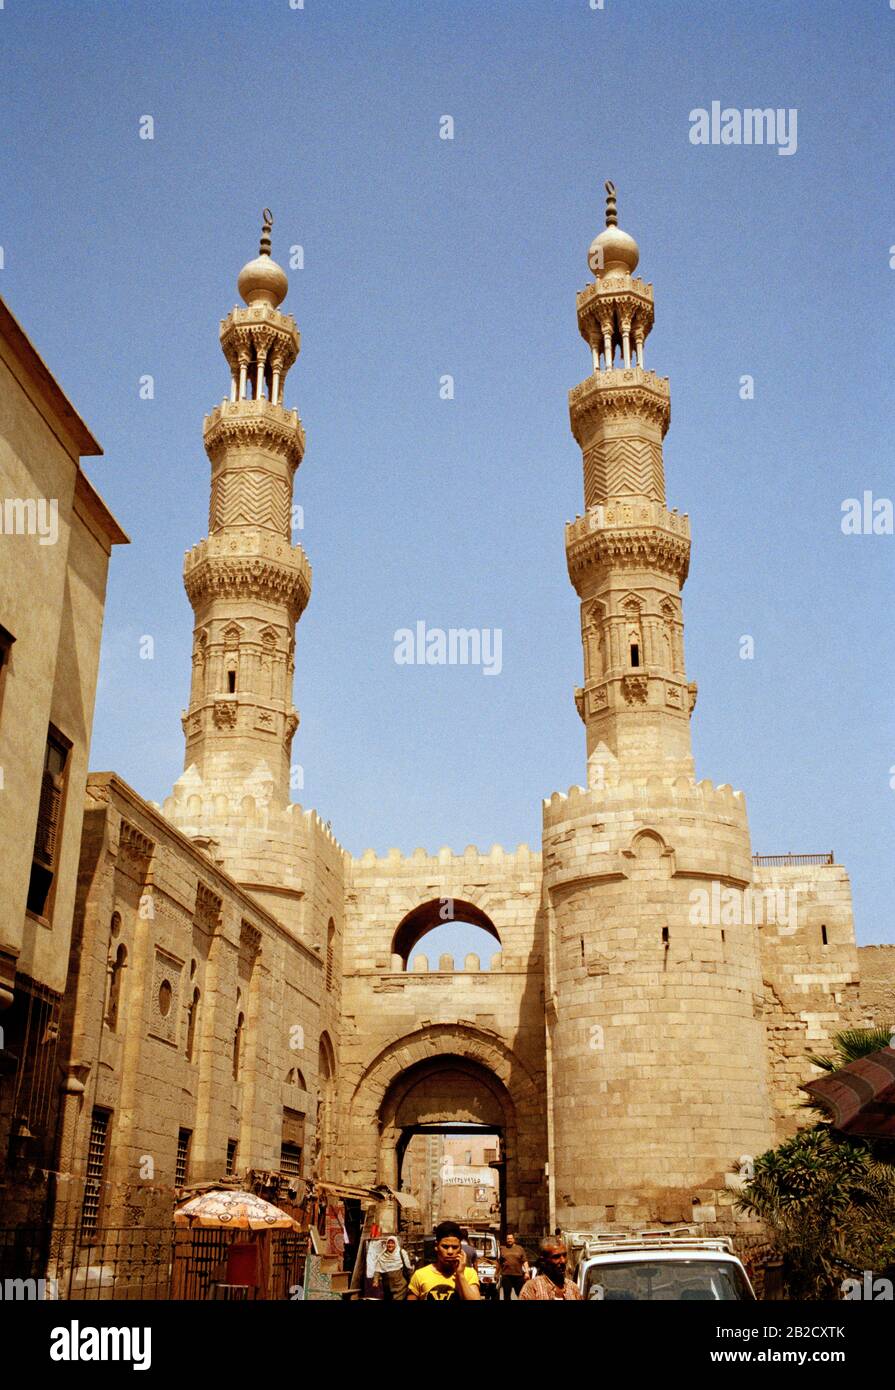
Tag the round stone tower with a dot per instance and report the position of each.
(657, 1055)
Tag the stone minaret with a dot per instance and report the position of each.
(657, 1056)
(628, 554)
(247, 583)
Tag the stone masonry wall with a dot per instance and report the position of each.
(810, 972)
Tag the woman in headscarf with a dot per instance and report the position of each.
(390, 1269)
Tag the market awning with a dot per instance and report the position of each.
(860, 1097)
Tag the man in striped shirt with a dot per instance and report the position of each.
(551, 1281)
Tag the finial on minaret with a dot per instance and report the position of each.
(613, 251)
(264, 248)
(262, 281)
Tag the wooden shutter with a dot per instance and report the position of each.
(48, 817)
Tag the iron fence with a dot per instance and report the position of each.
(131, 1263)
(787, 861)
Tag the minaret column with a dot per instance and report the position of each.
(247, 583)
(627, 554)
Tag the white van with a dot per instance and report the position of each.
(660, 1266)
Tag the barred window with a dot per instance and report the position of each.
(232, 1146)
(290, 1159)
(96, 1163)
(182, 1166)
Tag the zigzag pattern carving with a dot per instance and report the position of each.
(619, 467)
(247, 497)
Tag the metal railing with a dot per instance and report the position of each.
(785, 861)
(126, 1263)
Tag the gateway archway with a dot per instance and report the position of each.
(456, 1172)
(452, 1075)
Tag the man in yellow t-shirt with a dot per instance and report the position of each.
(448, 1276)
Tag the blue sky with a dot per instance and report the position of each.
(425, 257)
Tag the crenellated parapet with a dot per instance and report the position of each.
(522, 857)
(682, 793)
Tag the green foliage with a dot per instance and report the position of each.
(853, 1044)
(830, 1205)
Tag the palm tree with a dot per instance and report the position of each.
(851, 1045)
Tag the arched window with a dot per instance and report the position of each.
(238, 1038)
(325, 1104)
(115, 971)
(330, 953)
(455, 932)
(192, 1021)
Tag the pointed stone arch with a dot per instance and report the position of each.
(490, 1068)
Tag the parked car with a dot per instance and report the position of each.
(661, 1266)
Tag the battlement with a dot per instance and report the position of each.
(647, 794)
(522, 857)
(240, 805)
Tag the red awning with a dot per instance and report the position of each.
(860, 1097)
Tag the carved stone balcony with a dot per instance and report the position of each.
(636, 533)
(248, 565)
(257, 424)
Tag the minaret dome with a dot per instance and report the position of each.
(262, 281)
(613, 251)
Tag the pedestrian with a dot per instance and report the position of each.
(390, 1270)
(448, 1276)
(469, 1250)
(514, 1269)
(552, 1281)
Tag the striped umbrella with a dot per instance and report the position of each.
(240, 1211)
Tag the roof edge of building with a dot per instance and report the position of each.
(80, 434)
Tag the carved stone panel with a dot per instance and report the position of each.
(164, 1003)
